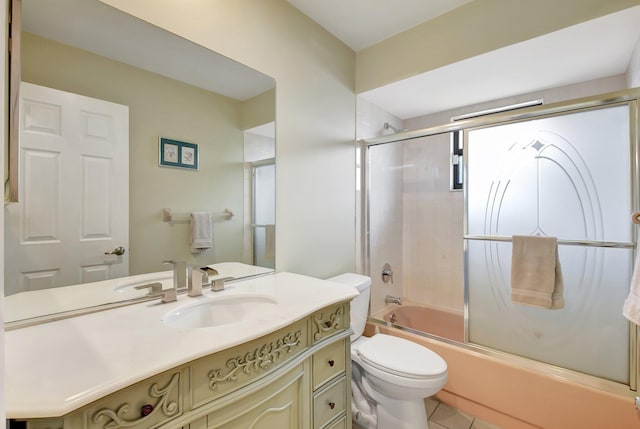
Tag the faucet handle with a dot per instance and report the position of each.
(218, 284)
(387, 273)
(169, 295)
(154, 288)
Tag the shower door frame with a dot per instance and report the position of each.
(630, 97)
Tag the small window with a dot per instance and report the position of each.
(457, 172)
(457, 164)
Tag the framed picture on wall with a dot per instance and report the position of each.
(175, 153)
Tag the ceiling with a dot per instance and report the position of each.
(362, 23)
(590, 50)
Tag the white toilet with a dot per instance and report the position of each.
(391, 375)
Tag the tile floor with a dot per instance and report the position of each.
(442, 416)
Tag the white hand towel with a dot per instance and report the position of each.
(269, 242)
(201, 231)
(631, 308)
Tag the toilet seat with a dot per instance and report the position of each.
(401, 357)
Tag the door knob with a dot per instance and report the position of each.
(117, 251)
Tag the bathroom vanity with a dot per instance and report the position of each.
(276, 355)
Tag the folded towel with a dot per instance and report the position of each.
(270, 242)
(631, 307)
(536, 278)
(201, 231)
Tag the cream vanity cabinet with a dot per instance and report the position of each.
(295, 377)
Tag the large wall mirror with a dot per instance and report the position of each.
(125, 131)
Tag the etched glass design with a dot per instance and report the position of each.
(569, 177)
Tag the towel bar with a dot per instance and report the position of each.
(169, 216)
(588, 243)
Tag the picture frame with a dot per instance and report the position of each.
(178, 154)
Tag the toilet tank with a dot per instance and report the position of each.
(359, 304)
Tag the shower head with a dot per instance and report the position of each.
(387, 128)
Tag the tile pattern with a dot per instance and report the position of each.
(442, 416)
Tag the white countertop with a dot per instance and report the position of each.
(54, 368)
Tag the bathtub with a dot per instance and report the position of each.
(445, 324)
(513, 392)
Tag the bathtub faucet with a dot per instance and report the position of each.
(393, 300)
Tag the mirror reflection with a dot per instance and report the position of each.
(127, 133)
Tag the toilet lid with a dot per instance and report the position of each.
(401, 357)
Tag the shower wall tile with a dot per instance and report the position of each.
(432, 218)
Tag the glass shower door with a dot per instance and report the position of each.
(568, 176)
(264, 213)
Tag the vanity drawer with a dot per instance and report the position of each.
(229, 370)
(329, 403)
(144, 405)
(328, 362)
(329, 321)
(280, 404)
(339, 424)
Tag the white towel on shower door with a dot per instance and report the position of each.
(631, 308)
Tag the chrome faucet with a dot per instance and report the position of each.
(393, 300)
(179, 273)
(197, 278)
(200, 277)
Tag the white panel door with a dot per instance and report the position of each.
(74, 192)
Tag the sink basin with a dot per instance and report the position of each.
(129, 284)
(219, 311)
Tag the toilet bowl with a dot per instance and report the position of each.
(391, 376)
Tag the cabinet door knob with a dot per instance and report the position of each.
(332, 362)
(145, 410)
(332, 405)
(328, 323)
